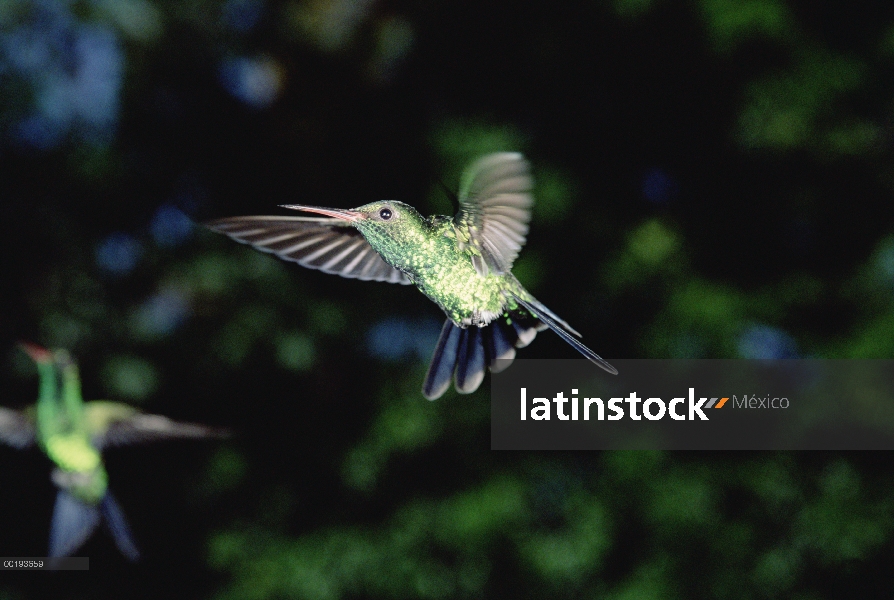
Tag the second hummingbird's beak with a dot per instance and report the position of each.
(37, 353)
(338, 213)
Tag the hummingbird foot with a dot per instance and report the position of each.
(479, 318)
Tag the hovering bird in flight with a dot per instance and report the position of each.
(73, 434)
(461, 263)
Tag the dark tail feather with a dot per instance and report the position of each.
(443, 361)
(471, 362)
(564, 331)
(499, 343)
(524, 333)
(73, 522)
(117, 524)
(464, 354)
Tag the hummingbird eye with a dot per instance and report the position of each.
(385, 214)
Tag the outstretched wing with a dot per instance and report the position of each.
(114, 424)
(495, 207)
(330, 245)
(16, 428)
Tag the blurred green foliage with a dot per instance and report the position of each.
(713, 179)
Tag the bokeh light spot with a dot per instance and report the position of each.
(118, 253)
(766, 342)
(162, 314)
(295, 351)
(396, 338)
(658, 187)
(242, 15)
(170, 226)
(254, 81)
(130, 377)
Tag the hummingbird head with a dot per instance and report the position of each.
(37, 353)
(388, 225)
(58, 358)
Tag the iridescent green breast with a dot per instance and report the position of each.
(72, 452)
(426, 250)
(446, 275)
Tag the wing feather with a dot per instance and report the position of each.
(16, 428)
(114, 424)
(495, 207)
(329, 245)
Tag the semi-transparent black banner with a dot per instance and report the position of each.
(805, 404)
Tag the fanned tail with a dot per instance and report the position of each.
(470, 361)
(463, 354)
(73, 523)
(443, 361)
(117, 524)
(563, 329)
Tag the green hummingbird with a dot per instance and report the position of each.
(73, 434)
(461, 263)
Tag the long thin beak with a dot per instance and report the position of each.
(338, 213)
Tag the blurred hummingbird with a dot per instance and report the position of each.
(73, 433)
(461, 263)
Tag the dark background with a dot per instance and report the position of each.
(714, 179)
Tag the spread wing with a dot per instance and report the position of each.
(16, 428)
(114, 424)
(330, 245)
(494, 210)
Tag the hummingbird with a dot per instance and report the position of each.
(462, 263)
(73, 434)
